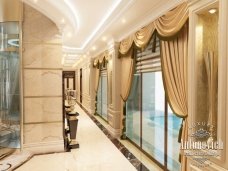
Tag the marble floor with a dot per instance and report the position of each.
(96, 153)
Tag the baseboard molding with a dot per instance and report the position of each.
(44, 147)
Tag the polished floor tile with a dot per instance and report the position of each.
(96, 153)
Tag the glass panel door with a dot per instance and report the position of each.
(133, 111)
(102, 93)
(9, 87)
(174, 124)
(104, 104)
(153, 98)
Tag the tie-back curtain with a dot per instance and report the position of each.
(172, 28)
(140, 39)
(97, 64)
(127, 70)
(125, 45)
(167, 26)
(174, 56)
(171, 23)
(100, 60)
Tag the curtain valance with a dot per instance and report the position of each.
(171, 23)
(100, 59)
(167, 26)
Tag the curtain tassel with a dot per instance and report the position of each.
(180, 131)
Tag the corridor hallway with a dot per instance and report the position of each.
(96, 153)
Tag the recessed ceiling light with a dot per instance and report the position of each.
(212, 10)
(69, 34)
(104, 38)
(63, 21)
(123, 20)
(94, 48)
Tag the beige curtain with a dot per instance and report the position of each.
(126, 44)
(170, 24)
(140, 39)
(174, 56)
(127, 70)
(173, 31)
(143, 36)
(211, 63)
(97, 63)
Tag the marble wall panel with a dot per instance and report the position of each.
(42, 82)
(36, 133)
(42, 109)
(42, 55)
(38, 28)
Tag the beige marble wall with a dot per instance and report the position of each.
(42, 82)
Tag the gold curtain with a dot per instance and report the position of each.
(174, 56)
(143, 36)
(171, 23)
(127, 70)
(100, 60)
(97, 63)
(167, 26)
(140, 39)
(173, 31)
(126, 44)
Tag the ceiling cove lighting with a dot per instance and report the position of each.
(212, 10)
(71, 7)
(96, 29)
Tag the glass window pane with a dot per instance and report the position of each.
(153, 115)
(133, 112)
(104, 97)
(174, 124)
(99, 98)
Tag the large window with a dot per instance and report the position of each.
(150, 123)
(102, 96)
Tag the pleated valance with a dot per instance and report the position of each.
(167, 26)
(100, 59)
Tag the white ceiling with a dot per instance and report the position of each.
(88, 25)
